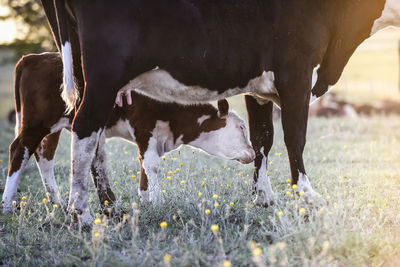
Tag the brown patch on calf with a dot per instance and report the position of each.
(49, 145)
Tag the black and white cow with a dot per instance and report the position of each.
(192, 51)
(155, 127)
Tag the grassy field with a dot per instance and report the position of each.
(352, 162)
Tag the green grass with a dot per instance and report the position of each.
(352, 163)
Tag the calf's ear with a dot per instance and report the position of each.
(223, 108)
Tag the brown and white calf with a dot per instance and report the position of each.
(155, 127)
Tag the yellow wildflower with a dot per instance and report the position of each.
(164, 191)
(207, 211)
(216, 204)
(199, 194)
(97, 221)
(163, 157)
(168, 177)
(115, 182)
(97, 234)
(167, 258)
(133, 176)
(55, 206)
(227, 264)
(163, 224)
(178, 169)
(231, 203)
(23, 198)
(181, 164)
(215, 196)
(302, 210)
(214, 227)
(294, 187)
(170, 172)
(44, 200)
(280, 213)
(183, 182)
(257, 252)
(130, 171)
(105, 202)
(301, 193)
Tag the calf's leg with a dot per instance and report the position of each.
(261, 136)
(149, 189)
(21, 149)
(44, 156)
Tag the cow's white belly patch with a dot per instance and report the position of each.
(160, 85)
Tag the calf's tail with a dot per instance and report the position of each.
(69, 93)
(17, 98)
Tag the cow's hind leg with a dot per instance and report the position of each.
(44, 156)
(261, 136)
(21, 150)
(89, 122)
(100, 178)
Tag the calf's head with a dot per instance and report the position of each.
(229, 139)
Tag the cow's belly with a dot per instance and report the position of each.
(160, 85)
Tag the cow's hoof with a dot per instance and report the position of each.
(144, 197)
(263, 201)
(310, 196)
(82, 217)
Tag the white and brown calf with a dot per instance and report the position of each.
(155, 127)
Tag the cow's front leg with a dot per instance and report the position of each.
(149, 189)
(99, 176)
(294, 94)
(261, 136)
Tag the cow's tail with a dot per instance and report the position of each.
(69, 92)
(17, 98)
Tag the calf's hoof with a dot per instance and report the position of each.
(264, 201)
(147, 198)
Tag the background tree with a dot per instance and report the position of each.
(34, 34)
